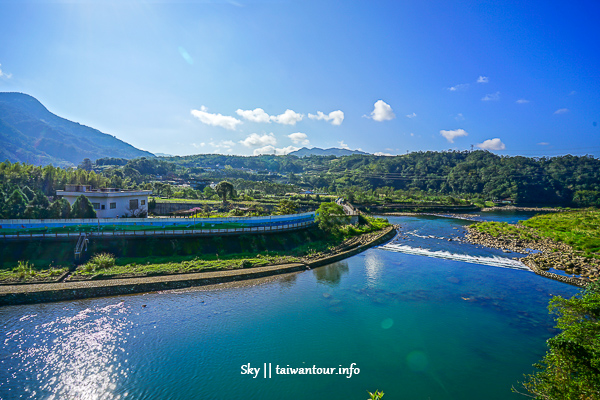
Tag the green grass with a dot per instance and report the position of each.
(579, 228)
(27, 272)
(508, 231)
(174, 266)
(367, 224)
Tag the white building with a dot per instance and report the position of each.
(110, 203)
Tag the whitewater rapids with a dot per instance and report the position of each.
(501, 262)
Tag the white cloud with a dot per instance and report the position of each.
(299, 138)
(459, 117)
(343, 145)
(289, 117)
(257, 140)
(561, 111)
(4, 74)
(491, 97)
(411, 115)
(522, 101)
(196, 145)
(451, 135)
(273, 150)
(483, 79)
(382, 111)
(223, 144)
(381, 154)
(223, 121)
(286, 150)
(543, 144)
(256, 115)
(336, 117)
(492, 144)
(460, 86)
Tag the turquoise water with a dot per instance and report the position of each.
(416, 328)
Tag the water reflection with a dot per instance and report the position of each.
(331, 274)
(79, 356)
(288, 281)
(374, 264)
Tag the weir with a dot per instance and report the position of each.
(501, 262)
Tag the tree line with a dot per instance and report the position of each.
(446, 177)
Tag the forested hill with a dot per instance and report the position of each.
(565, 180)
(477, 175)
(32, 134)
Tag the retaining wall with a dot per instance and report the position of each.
(51, 292)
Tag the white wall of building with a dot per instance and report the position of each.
(103, 201)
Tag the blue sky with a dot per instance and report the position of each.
(189, 77)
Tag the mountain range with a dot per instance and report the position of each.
(32, 134)
(333, 151)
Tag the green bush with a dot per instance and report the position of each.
(24, 269)
(100, 261)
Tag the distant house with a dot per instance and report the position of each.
(110, 202)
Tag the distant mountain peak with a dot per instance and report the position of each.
(30, 133)
(333, 151)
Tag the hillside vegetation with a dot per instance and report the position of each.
(30, 133)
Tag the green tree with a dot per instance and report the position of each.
(331, 216)
(85, 164)
(83, 208)
(571, 368)
(208, 192)
(224, 189)
(286, 207)
(15, 205)
(168, 190)
(586, 198)
(29, 194)
(38, 207)
(59, 209)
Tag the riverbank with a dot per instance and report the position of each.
(515, 208)
(51, 292)
(543, 253)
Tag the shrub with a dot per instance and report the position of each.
(102, 261)
(24, 269)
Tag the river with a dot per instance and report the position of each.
(401, 317)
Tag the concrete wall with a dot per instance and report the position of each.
(104, 199)
(159, 223)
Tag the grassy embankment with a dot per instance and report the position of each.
(579, 229)
(567, 241)
(155, 256)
